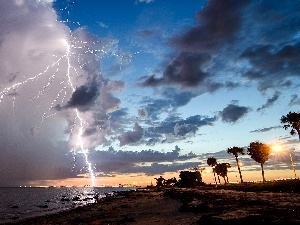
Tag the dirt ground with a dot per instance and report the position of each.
(183, 206)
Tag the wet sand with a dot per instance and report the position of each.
(177, 206)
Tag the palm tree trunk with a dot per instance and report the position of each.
(238, 166)
(225, 182)
(262, 172)
(215, 178)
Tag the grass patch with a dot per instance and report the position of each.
(292, 185)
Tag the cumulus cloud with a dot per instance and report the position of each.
(83, 98)
(207, 55)
(184, 70)
(210, 33)
(196, 65)
(170, 100)
(232, 113)
(131, 137)
(273, 61)
(184, 129)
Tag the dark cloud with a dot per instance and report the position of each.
(272, 65)
(184, 70)
(218, 23)
(169, 102)
(232, 113)
(131, 137)
(265, 129)
(84, 97)
(184, 129)
(135, 161)
(262, 32)
(274, 21)
(191, 124)
(270, 101)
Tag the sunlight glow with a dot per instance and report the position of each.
(277, 148)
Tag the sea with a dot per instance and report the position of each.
(19, 203)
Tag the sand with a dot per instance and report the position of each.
(177, 206)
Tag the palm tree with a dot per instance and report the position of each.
(211, 161)
(291, 120)
(160, 181)
(236, 151)
(222, 169)
(260, 153)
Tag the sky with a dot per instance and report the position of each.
(109, 92)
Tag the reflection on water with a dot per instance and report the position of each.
(20, 203)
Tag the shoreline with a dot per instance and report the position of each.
(180, 206)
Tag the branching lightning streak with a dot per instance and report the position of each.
(84, 48)
(80, 132)
(11, 91)
(15, 86)
(7, 91)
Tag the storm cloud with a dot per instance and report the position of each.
(131, 137)
(36, 137)
(184, 69)
(232, 113)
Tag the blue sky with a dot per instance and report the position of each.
(144, 77)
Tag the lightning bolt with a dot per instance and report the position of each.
(73, 49)
(79, 142)
(67, 85)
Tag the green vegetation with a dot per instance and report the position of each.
(290, 185)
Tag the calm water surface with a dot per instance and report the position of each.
(20, 203)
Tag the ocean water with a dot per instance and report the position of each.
(19, 203)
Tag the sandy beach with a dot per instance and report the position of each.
(180, 206)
